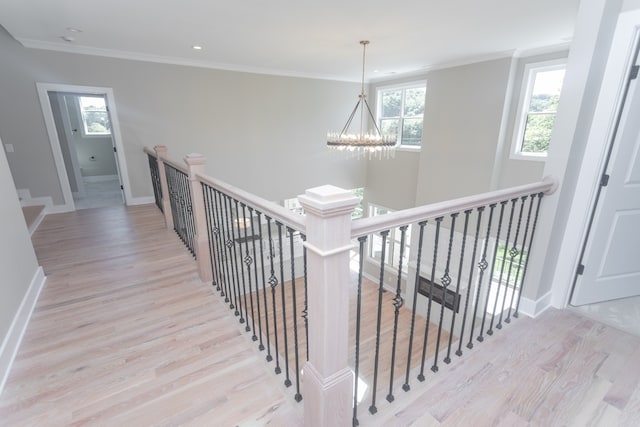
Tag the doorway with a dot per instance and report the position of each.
(84, 131)
(84, 134)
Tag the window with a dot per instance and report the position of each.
(401, 112)
(95, 116)
(539, 98)
(392, 243)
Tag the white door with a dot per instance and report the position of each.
(610, 266)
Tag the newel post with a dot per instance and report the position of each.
(161, 154)
(195, 164)
(328, 381)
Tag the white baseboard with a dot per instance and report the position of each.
(533, 308)
(99, 178)
(34, 226)
(12, 340)
(26, 199)
(134, 201)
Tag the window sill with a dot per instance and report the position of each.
(408, 148)
(528, 157)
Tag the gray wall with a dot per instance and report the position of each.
(257, 131)
(18, 264)
(463, 113)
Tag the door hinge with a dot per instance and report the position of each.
(580, 269)
(122, 187)
(604, 181)
(634, 72)
(114, 150)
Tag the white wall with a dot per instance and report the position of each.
(257, 131)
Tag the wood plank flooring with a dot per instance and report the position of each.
(125, 334)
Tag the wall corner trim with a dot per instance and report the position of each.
(534, 308)
(12, 340)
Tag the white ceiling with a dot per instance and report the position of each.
(295, 37)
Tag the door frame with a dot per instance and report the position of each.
(621, 54)
(43, 95)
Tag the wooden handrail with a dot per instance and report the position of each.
(271, 209)
(365, 226)
(150, 152)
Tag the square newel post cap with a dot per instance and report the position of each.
(328, 200)
(161, 150)
(195, 159)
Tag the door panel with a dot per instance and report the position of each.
(611, 264)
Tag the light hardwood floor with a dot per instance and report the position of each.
(125, 334)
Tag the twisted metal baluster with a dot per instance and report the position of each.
(406, 386)
(397, 303)
(470, 282)
(456, 300)
(373, 409)
(362, 240)
(518, 279)
(512, 254)
(493, 265)
(298, 396)
(421, 376)
(526, 263)
(273, 282)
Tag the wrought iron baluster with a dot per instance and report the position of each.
(207, 210)
(264, 286)
(241, 277)
(305, 312)
(493, 267)
(456, 300)
(446, 281)
(298, 396)
(373, 409)
(518, 284)
(470, 283)
(223, 257)
(421, 376)
(287, 381)
(504, 260)
(526, 263)
(248, 260)
(232, 258)
(362, 241)
(273, 282)
(406, 386)
(255, 275)
(482, 266)
(397, 303)
(513, 252)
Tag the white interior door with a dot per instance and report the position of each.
(610, 266)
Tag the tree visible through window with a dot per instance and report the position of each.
(539, 104)
(401, 112)
(95, 116)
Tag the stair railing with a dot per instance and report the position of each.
(331, 294)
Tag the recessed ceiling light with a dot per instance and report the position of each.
(68, 38)
(196, 47)
(74, 30)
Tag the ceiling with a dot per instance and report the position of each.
(294, 37)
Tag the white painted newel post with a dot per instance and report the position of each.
(328, 381)
(161, 154)
(195, 163)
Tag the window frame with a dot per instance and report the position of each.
(524, 101)
(83, 123)
(414, 84)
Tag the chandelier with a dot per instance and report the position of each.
(371, 143)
